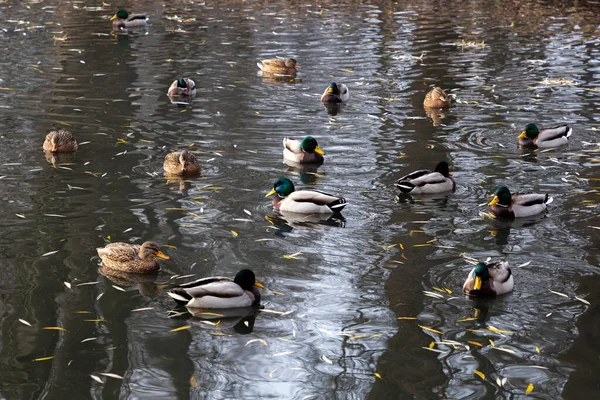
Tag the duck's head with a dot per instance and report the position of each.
(121, 14)
(291, 63)
(502, 197)
(531, 131)
(149, 250)
(443, 168)
(309, 145)
(333, 89)
(480, 274)
(283, 187)
(185, 159)
(246, 279)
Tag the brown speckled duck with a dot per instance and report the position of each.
(279, 67)
(129, 257)
(181, 163)
(60, 141)
(437, 98)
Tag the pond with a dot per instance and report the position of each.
(368, 305)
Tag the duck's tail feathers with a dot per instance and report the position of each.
(259, 65)
(180, 296)
(405, 186)
(338, 205)
(549, 199)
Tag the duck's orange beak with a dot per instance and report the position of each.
(494, 201)
(259, 285)
(162, 255)
(522, 135)
(329, 90)
(271, 193)
(477, 284)
(318, 150)
(113, 17)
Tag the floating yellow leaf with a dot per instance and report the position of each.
(474, 343)
(256, 340)
(234, 233)
(377, 375)
(44, 358)
(83, 312)
(491, 328)
(537, 349)
(529, 389)
(466, 319)
(272, 372)
(94, 320)
(356, 337)
(448, 290)
(407, 318)
(181, 328)
(431, 345)
(430, 329)
(479, 374)
(193, 382)
(54, 328)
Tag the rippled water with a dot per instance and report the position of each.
(339, 296)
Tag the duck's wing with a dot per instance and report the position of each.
(555, 133)
(292, 145)
(119, 252)
(344, 92)
(272, 63)
(414, 175)
(139, 16)
(216, 286)
(313, 197)
(531, 199)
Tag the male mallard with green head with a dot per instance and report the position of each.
(182, 87)
(335, 93)
(532, 136)
(437, 98)
(507, 205)
(219, 292)
(123, 20)
(489, 279)
(306, 151)
(279, 67)
(129, 257)
(426, 182)
(304, 201)
(60, 141)
(181, 163)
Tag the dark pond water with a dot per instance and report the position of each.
(336, 332)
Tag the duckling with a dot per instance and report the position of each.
(123, 20)
(128, 257)
(532, 136)
(182, 87)
(304, 201)
(60, 141)
(335, 93)
(306, 151)
(436, 98)
(427, 182)
(279, 67)
(219, 292)
(489, 279)
(181, 163)
(505, 205)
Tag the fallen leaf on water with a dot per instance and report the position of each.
(474, 343)
(583, 301)
(529, 389)
(285, 353)
(118, 288)
(491, 328)
(67, 284)
(479, 374)
(110, 375)
(466, 319)
(325, 359)
(537, 349)
(256, 340)
(94, 320)
(181, 328)
(560, 294)
(407, 318)
(20, 215)
(430, 329)
(356, 337)
(292, 256)
(54, 328)
(272, 372)
(142, 309)
(89, 339)
(44, 358)
(24, 322)
(234, 233)
(96, 378)
(49, 253)
(505, 350)
(377, 375)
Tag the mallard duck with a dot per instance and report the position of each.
(181, 163)
(436, 98)
(123, 20)
(532, 136)
(304, 201)
(489, 279)
(306, 151)
(427, 182)
(335, 93)
(129, 257)
(279, 67)
(505, 205)
(60, 141)
(219, 292)
(182, 87)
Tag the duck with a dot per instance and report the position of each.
(279, 67)
(335, 93)
(123, 20)
(491, 279)
(306, 151)
(437, 98)
(304, 201)
(181, 163)
(127, 257)
(427, 182)
(182, 87)
(219, 291)
(532, 136)
(509, 206)
(60, 141)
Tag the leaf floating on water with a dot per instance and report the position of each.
(410, 318)
(529, 389)
(20, 215)
(54, 328)
(325, 359)
(24, 322)
(99, 296)
(55, 215)
(537, 349)
(491, 328)
(584, 301)
(474, 343)
(499, 382)
(143, 309)
(430, 329)
(111, 375)
(292, 256)
(89, 339)
(95, 320)
(431, 345)
(377, 375)
(49, 253)
(448, 290)
(479, 374)
(560, 294)
(272, 372)
(96, 378)
(88, 283)
(524, 264)
(234, 233)
(247, 212)
(67, 284)
(466, 319)
(264, 342)
(491, 342)
(181, 328)
(285, 353)
(118, 288)
(509, 351)
(44, 358)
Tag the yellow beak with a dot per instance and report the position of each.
(494, 201)
(113, 17)
(318, 150)
(271, 193)
(330, 90)
(522, 135)
(259, 285)
(477, 284)
(162, 255)
(449, 174)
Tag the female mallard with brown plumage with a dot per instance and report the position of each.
(60, 141)
(489, 279)
(181, 163)
(426, 182)
(507, 205)
(279, 67)
(123, 20)
(304, 201)
(128, 257)
(335, 93)
(532, 136)
(182, 87)
(436, 98)
(219, 292)
(306, 151)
